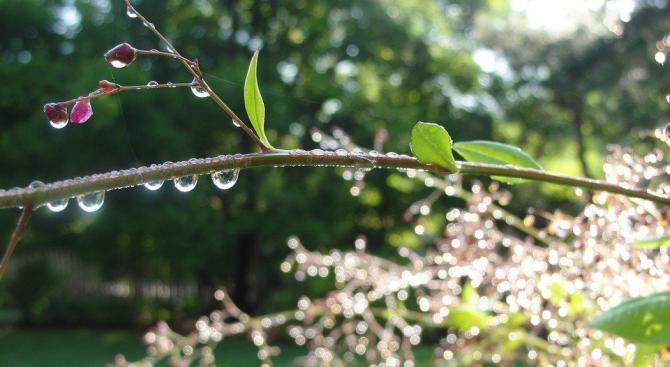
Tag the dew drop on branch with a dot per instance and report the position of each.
(186, 183)
(198, 91)
(58, 206)
(91, 202)
(154, 185)
(57, 115)
(225, 179)
(34, 185)
(130, 12)
(152, 84)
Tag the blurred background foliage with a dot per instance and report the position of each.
(562, 85)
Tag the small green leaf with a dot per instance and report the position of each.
(431, 143)
(641, 319)
(492, 152)
(652, 242)
(645, 355)
(253, 101)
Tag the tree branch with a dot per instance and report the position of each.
(14, 239)
(137, 176)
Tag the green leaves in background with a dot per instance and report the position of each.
(491, 152)
(641, 319)
(253, 101)
(431, 143)
(652, 242)
(645, 355)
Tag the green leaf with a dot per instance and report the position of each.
(641, 319)
(491, 152)
(431, 143)
(465, 317)
(652, 242)
(645, 355)
(253, 101)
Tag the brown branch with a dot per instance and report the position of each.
(318, 158)
(14, 239)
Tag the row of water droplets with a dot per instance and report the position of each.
(222, 179)
(92, 202)
(89, 203)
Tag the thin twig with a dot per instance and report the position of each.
(14, 239)
(194, 69)
(100, 92)
(137, 176)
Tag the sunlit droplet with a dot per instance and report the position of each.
(57, 115)
(58, 206)
(225, 179)
(152, 84)
(130, 12)
(154, 185)
(186, 183)
(91, 202)
(199, 91)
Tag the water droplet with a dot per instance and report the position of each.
(225, 179)
(186, 183)
(667, 98)
(235, 123)
(152, 84)
(199, 91)
(171, 85)
(91, 202)
(154, 185)
(57, 115)
(130, 12)
(58, 206)
(33, 185)
(36, 184)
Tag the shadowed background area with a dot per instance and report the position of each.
(560, 80)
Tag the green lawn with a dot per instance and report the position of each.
(74, 348)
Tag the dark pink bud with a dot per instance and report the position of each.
(121, 55)
(108, 86)
(56, 113)
(81, 112)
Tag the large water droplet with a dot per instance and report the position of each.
(154, 185)
(91, 202)
(199, 91)
(130, 12)
(225, 179)
(152, 84)
(186, 183)
(58, 206)
(57, 115)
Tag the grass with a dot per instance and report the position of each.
(75, 348)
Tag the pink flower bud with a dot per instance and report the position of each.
(108, 86)
(121, 55)
(81, 112)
